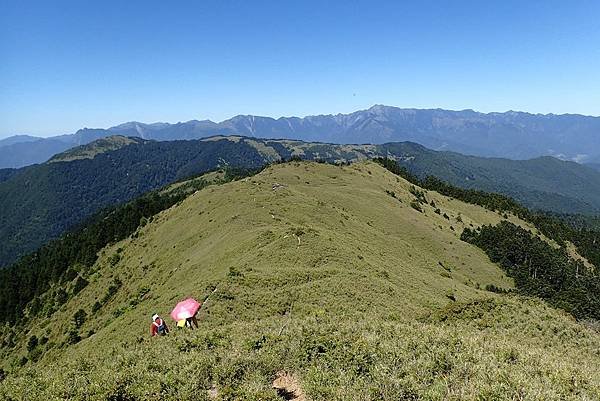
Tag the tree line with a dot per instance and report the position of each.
(538, 269)
(560, 228)
(66, 259)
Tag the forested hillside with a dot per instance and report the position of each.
(544, 183)
(40, 202)
(6, 173)
(60, 261)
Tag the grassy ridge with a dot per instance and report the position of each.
(501, 350)
(577, 230)
(39, 203)
(328, 273)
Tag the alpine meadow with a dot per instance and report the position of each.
(349, 280)
(299, 201)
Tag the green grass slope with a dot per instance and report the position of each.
(325, 274)
(39, 203)
(92, 149)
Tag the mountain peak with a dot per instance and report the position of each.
(510, 134)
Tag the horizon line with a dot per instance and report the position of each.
(6, 136)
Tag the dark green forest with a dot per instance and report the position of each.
(539, 269)
(66, 259)
(6, 173)
(544, 183)
(40, 202)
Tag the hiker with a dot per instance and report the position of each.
(159, 326)
(190, 322)
(185, 313)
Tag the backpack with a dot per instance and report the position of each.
(161, 328)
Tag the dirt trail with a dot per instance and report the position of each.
(213, 393)
(288, 388)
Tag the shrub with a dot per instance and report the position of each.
(419, 194)
(497, 290)
(112, 290)
(447, 268)
(35, 306)
(114, 259)
(61, 296)
(80, 284)
(35, 354)
(234, 272)
(32, 343)
(416, 205)
(79, 318)
(118, 312)
(73, 336)
(96, 307)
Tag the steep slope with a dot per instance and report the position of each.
(545, 183)
(325, 274)
(513, 135)
(38, 203)
(6, 173)
(34, 199)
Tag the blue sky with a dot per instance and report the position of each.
(71, 64)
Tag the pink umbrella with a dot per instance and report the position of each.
(185, 309)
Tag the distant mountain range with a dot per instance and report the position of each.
(513, 135)
(40, 202)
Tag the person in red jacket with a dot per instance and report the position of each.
(158, 327)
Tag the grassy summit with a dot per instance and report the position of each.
(325, 277)
(90, 150)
